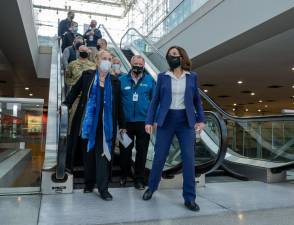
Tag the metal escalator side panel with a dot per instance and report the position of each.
(62, 143)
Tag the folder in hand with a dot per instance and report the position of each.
(124, 139)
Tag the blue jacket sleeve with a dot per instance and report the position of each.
(198, 104)
(154, 103)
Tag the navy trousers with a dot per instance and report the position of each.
(176, 123)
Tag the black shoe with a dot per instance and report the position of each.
(139, 185)
(88, 189)
(147, 195)
(123, 181)
(192, 206)
(105, 195)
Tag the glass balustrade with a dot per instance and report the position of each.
(22, 141)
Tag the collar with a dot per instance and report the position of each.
(130, 76)
(171, 74)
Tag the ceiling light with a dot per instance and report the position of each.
(234, 104)
(292, 68)
(252, 93)
(37, 105)
(292, 86)
(260, 101)
(31, 94)
(259, 110)
(27, 88)
(246, 110)
(234, 109)
(265, 106)
(205, 90)
(240, 82)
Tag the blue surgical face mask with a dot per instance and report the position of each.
(105, 66)
(115, 66)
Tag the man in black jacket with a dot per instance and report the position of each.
(72, 53)
(69, 36)
(65, 24)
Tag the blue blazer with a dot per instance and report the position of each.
(162, 98)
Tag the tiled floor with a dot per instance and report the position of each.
(229, 198)
(228, 203)
(19, 210)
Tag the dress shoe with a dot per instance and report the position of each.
(147, 195)
(88, 189)
(123, 181)
(192, 206)
(105, 195)
(139, 185)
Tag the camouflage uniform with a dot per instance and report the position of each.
(75, 70)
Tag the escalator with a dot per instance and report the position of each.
(256, 146)
(206, 159)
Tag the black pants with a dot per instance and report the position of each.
(135, 129)
(96, 166)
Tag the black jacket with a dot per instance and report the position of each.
(83, 87)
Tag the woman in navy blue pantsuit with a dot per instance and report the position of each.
(179, 112)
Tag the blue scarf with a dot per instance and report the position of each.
(91, 118)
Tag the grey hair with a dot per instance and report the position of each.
(137, 57)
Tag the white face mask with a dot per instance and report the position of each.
(105, 66)
(115, 66)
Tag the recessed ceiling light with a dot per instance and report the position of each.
(234, 109)
(240, 82)
(205, 90)
(37, 105)
(234, 104)
(292, 68)
(292, 86)
(30, 94)
(259, 110)
(252, 93)
(265, 106)
(260, 101)
(27, 88)
(246, 110)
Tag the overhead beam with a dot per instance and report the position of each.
(76, 11)
(116, 4)
(128, 6)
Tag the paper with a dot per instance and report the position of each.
(124, 139)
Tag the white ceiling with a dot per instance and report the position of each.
(261, 65)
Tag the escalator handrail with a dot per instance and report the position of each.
(121, 55)
(212, 164)
(142, 36)
(225, 114)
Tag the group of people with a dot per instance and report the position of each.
(108, 103)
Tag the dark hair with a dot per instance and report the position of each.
(73, 23)
(70, 12)
(185, 62)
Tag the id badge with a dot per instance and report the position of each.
(135, 97)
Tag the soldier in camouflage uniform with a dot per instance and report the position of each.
(74, 72)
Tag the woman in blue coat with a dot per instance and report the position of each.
(178, 109)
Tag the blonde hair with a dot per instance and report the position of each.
(99, 54)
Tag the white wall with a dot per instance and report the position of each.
(221, 20)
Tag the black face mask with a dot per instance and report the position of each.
(84, 55)
(77, 45)
(137, 69)
(98, 47)
(173, 61)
